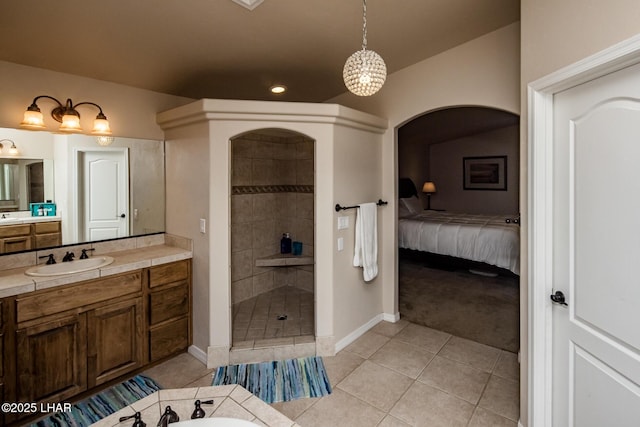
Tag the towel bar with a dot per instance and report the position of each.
(339, 208)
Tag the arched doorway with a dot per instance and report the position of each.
(450, 289)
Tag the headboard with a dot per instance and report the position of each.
(406, 188)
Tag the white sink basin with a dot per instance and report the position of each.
(214, 422)
(69, 267)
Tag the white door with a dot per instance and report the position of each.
(596, 253)
(105, 191)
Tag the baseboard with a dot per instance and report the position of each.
(358, 332)
(393, 318)
(198, 353)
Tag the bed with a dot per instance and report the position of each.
(487, 239)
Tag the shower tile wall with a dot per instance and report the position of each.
(274, 178)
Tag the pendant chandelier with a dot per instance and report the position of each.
(364, 72)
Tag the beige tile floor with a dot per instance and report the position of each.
(258, 318)
(397, 374)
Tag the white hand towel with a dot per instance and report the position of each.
(366, 250)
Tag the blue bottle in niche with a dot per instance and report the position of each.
(285, 244)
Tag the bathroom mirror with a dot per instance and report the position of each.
(65, 161)
(24, 181)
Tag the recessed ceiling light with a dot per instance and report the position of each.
(278, 89)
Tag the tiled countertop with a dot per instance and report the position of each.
(14, 281)
(232, 401)
(13, 220)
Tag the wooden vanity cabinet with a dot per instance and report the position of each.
(73, 337)
(46, 234)
(23, 237)
(116, 340)
(52, 362)
(57, 343)
(169, 292)
(2, 359)
(15, 238)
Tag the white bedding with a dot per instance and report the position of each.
(483, 238)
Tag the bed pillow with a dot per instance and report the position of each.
(402, 210)
(413, 204)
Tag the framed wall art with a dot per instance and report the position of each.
(484, 173)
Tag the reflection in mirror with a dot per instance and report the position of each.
(83, 179)
(22, 181)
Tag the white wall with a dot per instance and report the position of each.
(187, 201)
(357, 165)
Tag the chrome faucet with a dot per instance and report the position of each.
(68, 257)
(169, 416)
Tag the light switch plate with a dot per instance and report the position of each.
(340, 243)
(203, 225)
(343, 222)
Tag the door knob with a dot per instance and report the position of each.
(558, 298)
(122, 215)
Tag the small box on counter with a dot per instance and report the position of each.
(43, 209)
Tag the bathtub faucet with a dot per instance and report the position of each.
(137, 422)
(168, 417)
(199, 412)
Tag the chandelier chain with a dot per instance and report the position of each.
(364, 24)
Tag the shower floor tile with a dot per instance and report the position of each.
(281, 313)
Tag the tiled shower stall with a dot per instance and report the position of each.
(272, 182)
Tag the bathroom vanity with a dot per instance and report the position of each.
(61, 336)
(22, 235)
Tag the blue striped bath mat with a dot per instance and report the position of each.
(103, 404)
(278, 381)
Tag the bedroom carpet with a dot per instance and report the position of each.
(479, 308)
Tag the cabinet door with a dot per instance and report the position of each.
(51, 365)
(115, 340)
(15, 244)
(47, 240)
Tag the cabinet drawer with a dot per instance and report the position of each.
(44, 303)
(168, 273)
(47, 227)
(169, 338)
(48, 240)
(169, 303)
(16, 244)
(15, 230)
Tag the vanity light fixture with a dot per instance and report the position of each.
(13, 150)
(67, 115)
(364, 72)
(278, 89)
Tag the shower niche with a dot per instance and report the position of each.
(272, 193)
